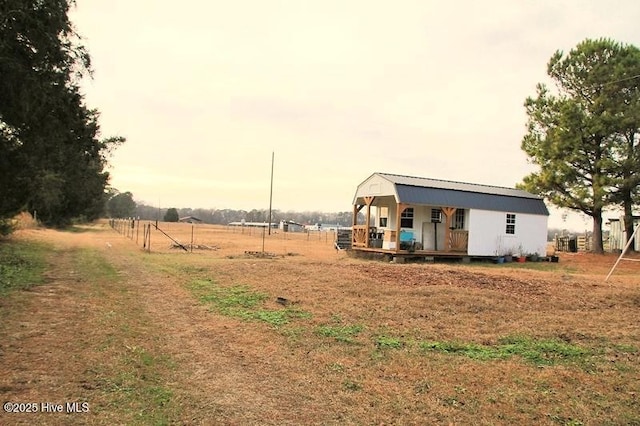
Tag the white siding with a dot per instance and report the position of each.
(615, 236)
(488, 237)
(618, 236)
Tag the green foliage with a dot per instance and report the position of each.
(6, 227)
(21, 265)
(51, 158)
(121, 205)
(171, 215)
(585, 139)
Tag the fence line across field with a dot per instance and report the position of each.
(306, 234)
(130, 228)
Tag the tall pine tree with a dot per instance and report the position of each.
(576, 136)
(51, 157)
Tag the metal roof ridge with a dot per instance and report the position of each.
(454, 181)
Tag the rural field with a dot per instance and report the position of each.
(285, 330)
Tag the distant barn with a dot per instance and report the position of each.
(190, 219)
(243, 223)
(290, 226)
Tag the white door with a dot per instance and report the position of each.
(428, 236)
(429, 233)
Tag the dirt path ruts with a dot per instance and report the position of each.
(223, 376)
(55, 348)
(44, 335)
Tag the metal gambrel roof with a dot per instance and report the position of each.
(416, 190)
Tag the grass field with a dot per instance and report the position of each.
(309, 335)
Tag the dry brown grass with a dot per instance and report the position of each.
(221, 369)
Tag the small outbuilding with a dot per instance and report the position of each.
(290, 226)
(190, 219)
(405, 214)
(618, 235)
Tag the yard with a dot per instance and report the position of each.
(284, 329)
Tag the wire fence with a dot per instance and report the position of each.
(188, 237)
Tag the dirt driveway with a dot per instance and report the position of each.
(129, 345)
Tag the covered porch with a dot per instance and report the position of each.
(408, 229)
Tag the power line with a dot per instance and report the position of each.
(622, 80)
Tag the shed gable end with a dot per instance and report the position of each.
(375, 186)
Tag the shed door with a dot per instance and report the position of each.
(429, 236)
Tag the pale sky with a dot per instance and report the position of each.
(205, 90)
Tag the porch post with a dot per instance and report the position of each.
(356, 210)
(368, 201)
(401, 208)
(448, 214)
(355, 215)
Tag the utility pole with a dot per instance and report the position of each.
(271, 192)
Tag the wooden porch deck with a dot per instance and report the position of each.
(416, 252)
(402, 255)
(363, 238)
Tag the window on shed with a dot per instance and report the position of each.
(406, 218)
(436, 215)
(511, 223)
(383, 216)
(458, 219)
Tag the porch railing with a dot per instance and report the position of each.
(359, 236)
(459, 240)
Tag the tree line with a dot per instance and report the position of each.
(52, 156)
(123, 205)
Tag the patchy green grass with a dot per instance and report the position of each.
(386, 342)
(535, 266)
(351, 386)
(417, 354)
(134, 379)
(536, 351)
(242, 302)
(340, 333)
(92, 266)
(229, 299)
(629, 349)
(136, 385)
(22, 265)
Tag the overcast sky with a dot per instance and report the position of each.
(205, 90)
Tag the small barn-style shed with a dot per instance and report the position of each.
(405, 214)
